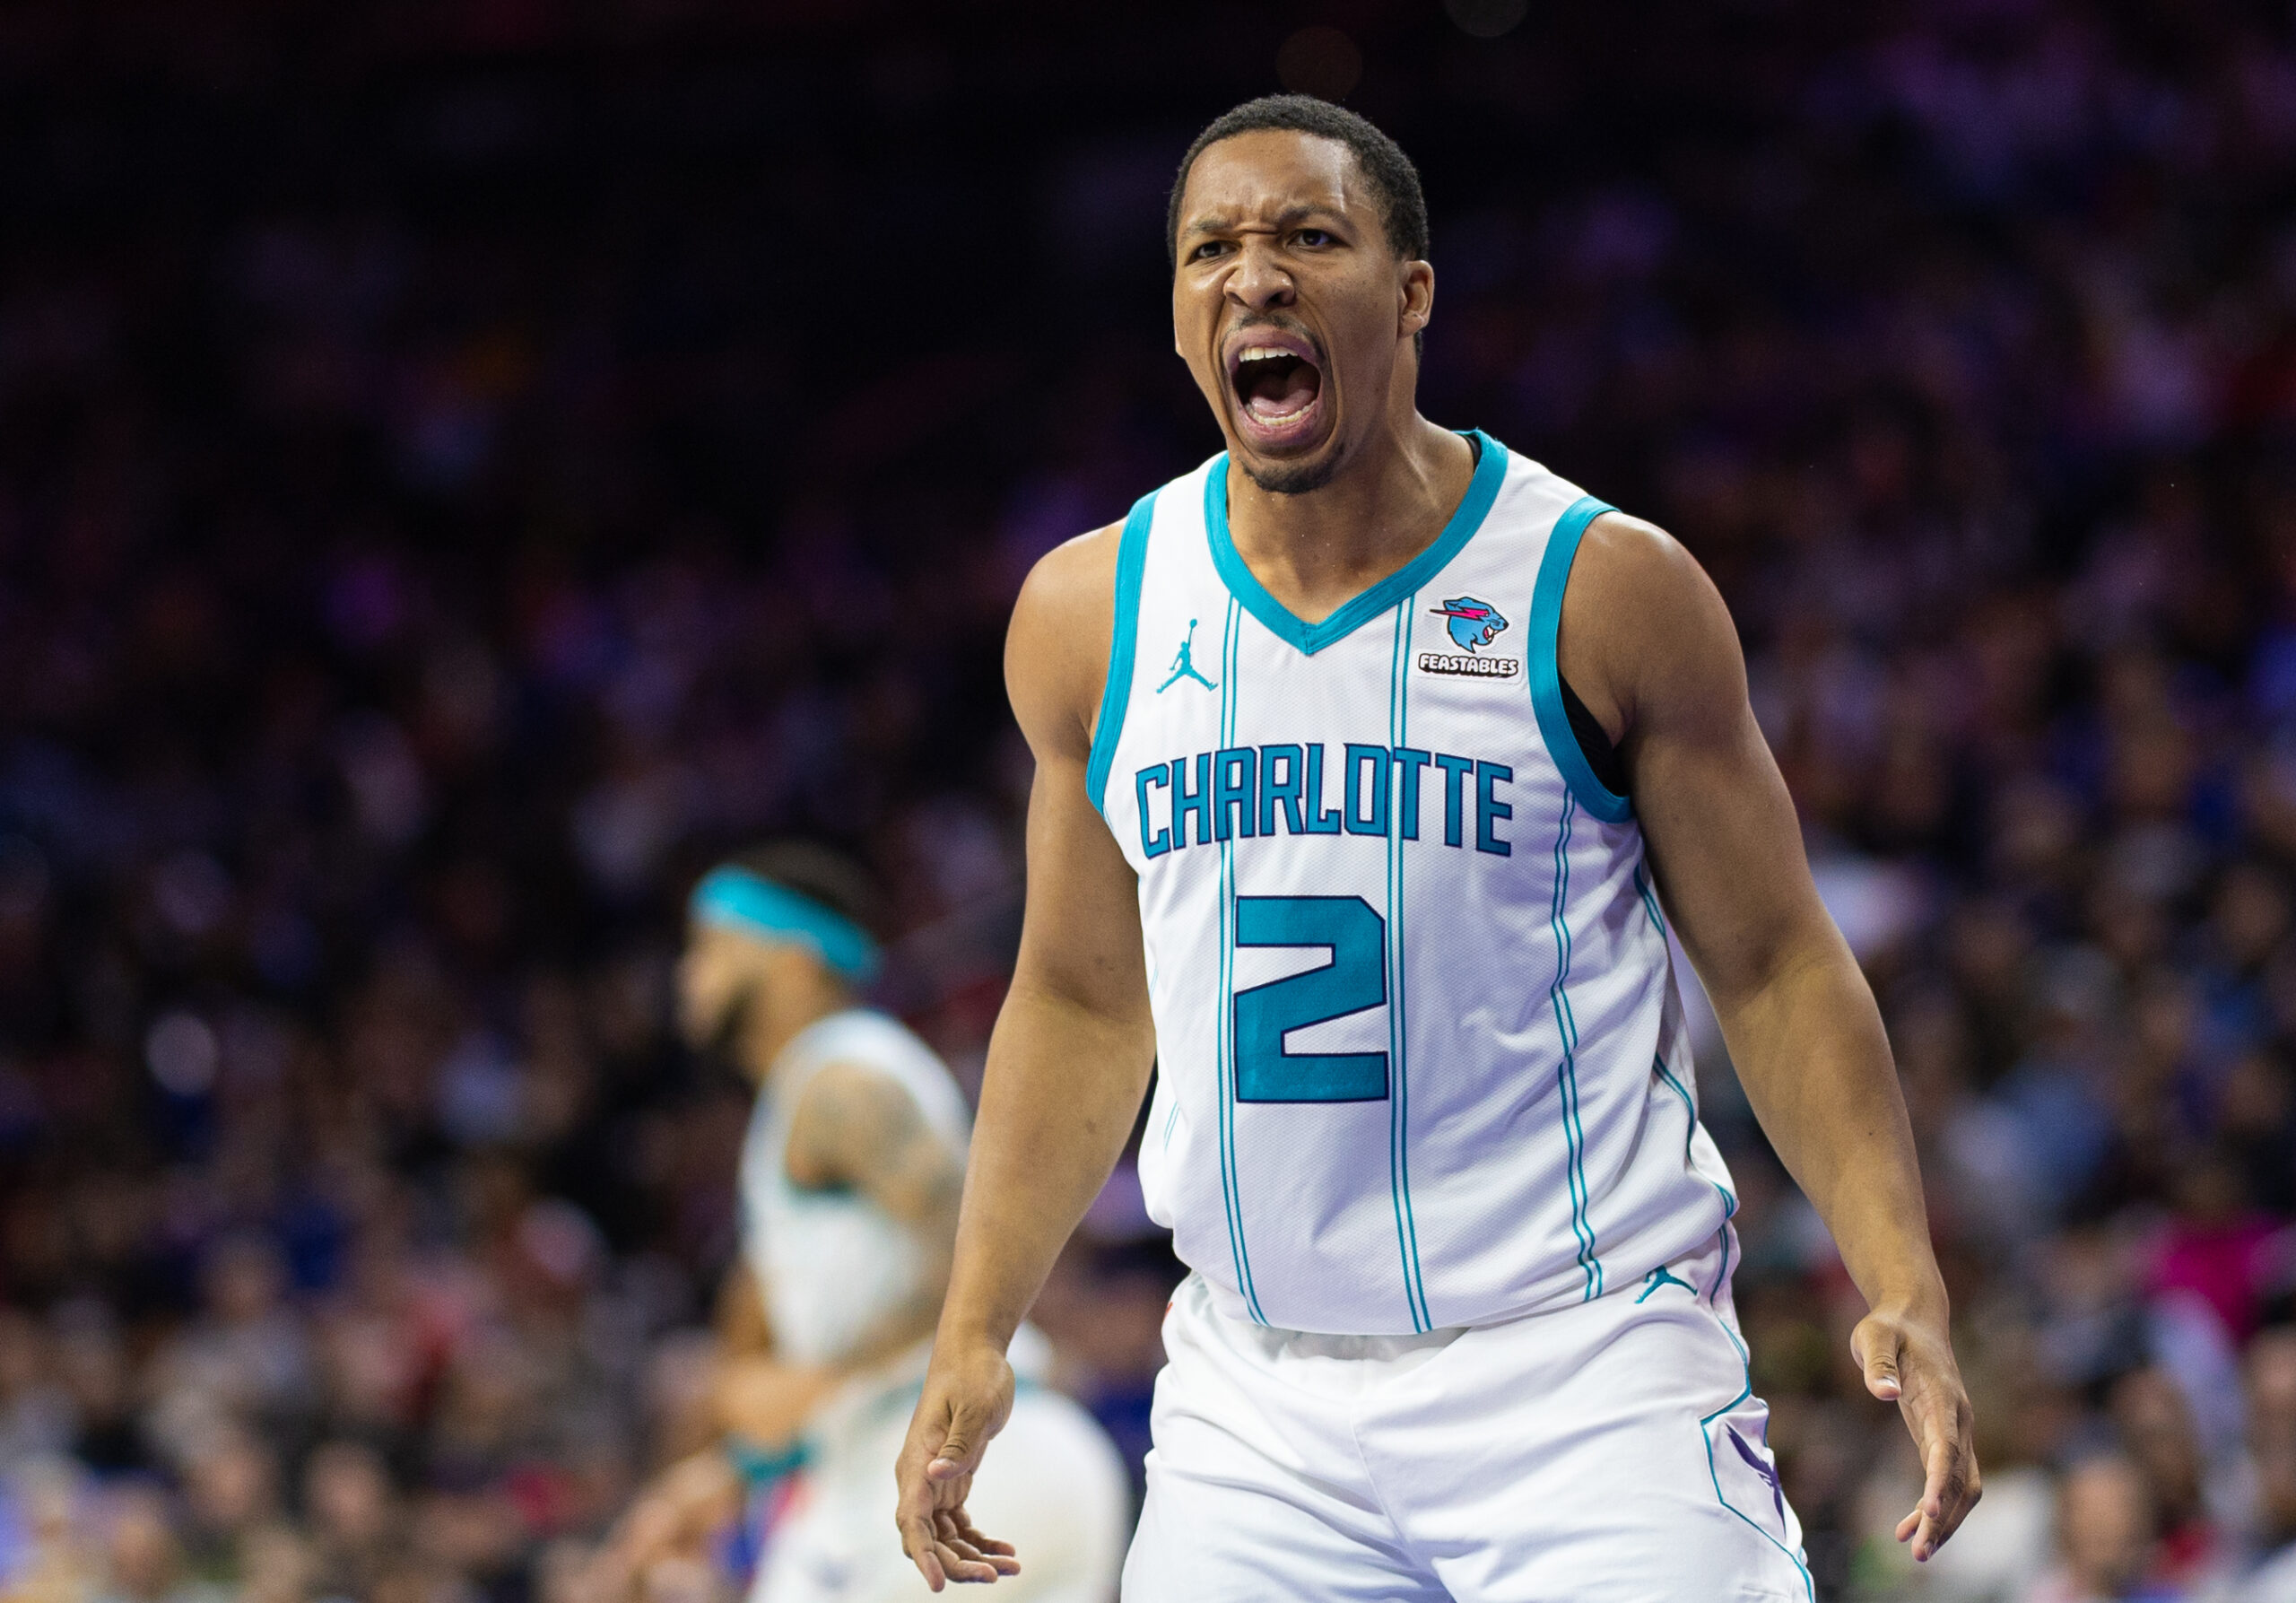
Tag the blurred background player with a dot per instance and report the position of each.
(850, 1176)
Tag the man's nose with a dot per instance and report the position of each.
(1260, 279)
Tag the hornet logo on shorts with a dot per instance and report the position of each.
(1473, 624)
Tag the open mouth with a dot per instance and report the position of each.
(1278, 387)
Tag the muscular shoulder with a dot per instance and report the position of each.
(1056, 652)
(855, 1122)
(1644, 630)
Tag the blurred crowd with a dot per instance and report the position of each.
(461, 467)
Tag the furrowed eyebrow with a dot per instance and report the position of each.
(1293, 216)
(1289, 218)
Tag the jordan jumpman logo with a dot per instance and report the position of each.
(1660, 1277)
(1184, 665)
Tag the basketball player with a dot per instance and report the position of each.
(849, 1182)
(1382, 888)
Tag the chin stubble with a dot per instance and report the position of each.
(1299, 479)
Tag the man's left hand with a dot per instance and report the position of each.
(1908, 1358)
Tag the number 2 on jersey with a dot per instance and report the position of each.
(1355, 978)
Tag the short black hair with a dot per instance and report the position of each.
(818, 873)
(1394, 180)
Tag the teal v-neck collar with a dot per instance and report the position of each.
(1312, 638)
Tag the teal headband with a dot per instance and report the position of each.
(731, 898)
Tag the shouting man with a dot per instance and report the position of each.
(1383, 888)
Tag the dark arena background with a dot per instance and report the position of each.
(462, 466)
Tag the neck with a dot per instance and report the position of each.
(766, 1032)
(1316, 551)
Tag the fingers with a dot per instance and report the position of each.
(976, 1557)
(958, 1413)
(1910, 1361)
(915, 1515)
(1928, 1514)
(944, 1546)
(1950, 1484)
(938, 1538)
(976, 1571)
(957, 1528)
(923, 1552)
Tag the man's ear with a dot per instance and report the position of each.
(1417, 283)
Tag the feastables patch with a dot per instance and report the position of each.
(1473, 668)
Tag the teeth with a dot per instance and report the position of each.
(1281, 418)
(1263, 352)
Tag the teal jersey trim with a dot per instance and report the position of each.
(1231, 626)
(1131, 559)
(759, 1465)
(1690, 1133)
(1706, 1432)
(1415, 1286)
(1546, 676)
(1311, 638)
(1650, 902)
(1729, 1203)
(1746, 1359)
(1565, 1074)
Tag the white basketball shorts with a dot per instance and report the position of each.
(1053, 1486)
(1609, 1453)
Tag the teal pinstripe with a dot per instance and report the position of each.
(1415, 1286)
(1746, 1359)
(1729, 1203)
(1590, 1262)
(1230, 627)
(1650, 902)
(1705, 1431)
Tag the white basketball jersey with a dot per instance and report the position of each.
(830, 1264)
(1421, 1059)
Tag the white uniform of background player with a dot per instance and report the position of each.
(831, 1265)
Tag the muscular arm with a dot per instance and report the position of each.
(1067, 1069)
(1648, 644)
(855, 1126)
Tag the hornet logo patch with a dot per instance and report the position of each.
(1473, 624)
(1754, 1461)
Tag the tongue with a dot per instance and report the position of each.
(1281, 393)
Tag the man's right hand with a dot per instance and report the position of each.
(671, 1521)
(1068, 1064)
(968, 1397)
